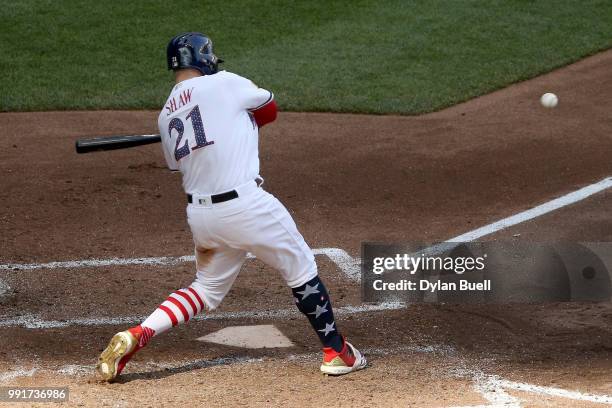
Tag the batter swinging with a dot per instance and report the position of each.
(209, 127)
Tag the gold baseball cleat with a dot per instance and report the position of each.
(115, 356)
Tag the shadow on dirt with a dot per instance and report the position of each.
(194, 365)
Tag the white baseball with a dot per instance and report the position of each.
(549, 100)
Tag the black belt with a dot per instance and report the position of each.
(218, 198)
(228, 195)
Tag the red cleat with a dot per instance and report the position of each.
(344, 362)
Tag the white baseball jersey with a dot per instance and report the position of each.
(208, 133)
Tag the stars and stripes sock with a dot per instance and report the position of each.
(314, 302)
(180, 306)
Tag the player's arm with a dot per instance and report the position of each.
(257, 101)
(266, 112)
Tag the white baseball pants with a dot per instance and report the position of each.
(255, 222)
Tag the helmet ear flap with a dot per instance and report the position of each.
(210, 64)
(185, 57)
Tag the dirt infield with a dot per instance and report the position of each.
(346, 179)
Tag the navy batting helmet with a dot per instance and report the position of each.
(192, 50)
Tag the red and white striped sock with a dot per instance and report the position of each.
(180, 306)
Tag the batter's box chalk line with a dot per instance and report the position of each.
(347, 264)
(80, 370)
(494, 390)
(36, 322)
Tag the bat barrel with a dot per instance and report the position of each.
(114, 142)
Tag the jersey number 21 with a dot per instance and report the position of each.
(198, 130)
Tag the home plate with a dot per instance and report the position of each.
(260, 336)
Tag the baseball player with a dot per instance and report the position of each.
(209, 127)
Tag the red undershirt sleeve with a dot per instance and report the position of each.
(265, 113)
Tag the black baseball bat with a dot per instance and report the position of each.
(114, 142)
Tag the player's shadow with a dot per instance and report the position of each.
(194, 365)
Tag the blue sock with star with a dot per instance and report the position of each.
(313, 301)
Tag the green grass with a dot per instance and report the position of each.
(347, 56)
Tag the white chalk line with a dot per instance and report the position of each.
(493, 389)
(340, 257)
(551, 391)
(80, 370)
(135, 367)
(349, 266)
(36, 322)
(17, 373)
(345, 262)
(542, 209)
